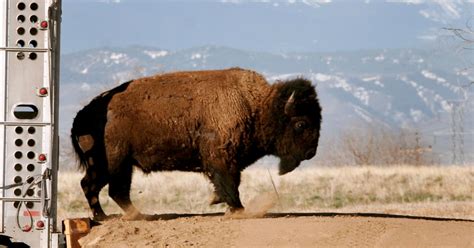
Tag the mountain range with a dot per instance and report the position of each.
(430, 91)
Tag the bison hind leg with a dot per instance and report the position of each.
(215, 199)
(119, 189)
(92, 183)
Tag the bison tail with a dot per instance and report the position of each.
(87, 133)
(83, 140)
(80, 154)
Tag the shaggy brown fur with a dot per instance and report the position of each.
(215, 122)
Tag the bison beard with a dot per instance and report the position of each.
(287, 165)
(214, 122)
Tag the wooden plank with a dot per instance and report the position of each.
(74, 229)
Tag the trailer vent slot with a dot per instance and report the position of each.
(17, 192)
(33, 56)
(21, 18)
(17, 179)
(34, 6)
(20, 55)
(20, 31)
(21, 5)
(31, 130)
(33, 44)
(20, 43)
(30, 192)
(33, 31)
(25, 111)
(18, 155)
(33, 19)
(30, 155)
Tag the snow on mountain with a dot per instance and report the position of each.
(156, 54)
(374, 79)
(412, 86)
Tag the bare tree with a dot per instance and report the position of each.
(466, 38)
(464, 35)
(376, 145)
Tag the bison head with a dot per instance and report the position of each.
(299, 119)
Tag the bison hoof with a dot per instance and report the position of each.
(100, 217)
(235, 213)
(133, 216)
(234, 210)
(215, 199)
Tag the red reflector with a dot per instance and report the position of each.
(43, 91)
(26, 228)
(44, 24)
(31, 213)
(42, 157)
(39, 224)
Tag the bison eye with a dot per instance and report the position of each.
(300, 126)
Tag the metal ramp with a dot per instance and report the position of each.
(29, 73)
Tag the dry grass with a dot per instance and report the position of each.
(435, 191)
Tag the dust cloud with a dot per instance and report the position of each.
(256, 207)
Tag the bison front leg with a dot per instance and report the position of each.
(226, 188)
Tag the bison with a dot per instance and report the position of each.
(215, 122)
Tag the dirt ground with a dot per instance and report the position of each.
(283, 230)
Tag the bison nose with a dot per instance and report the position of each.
(309, 154)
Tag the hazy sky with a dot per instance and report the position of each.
(264, 25)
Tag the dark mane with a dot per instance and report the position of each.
(304, 93)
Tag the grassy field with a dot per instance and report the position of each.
(431, 191)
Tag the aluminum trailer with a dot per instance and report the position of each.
(29, 143)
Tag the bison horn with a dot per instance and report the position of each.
(289, 106)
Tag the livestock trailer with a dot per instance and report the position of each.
(29, 88)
